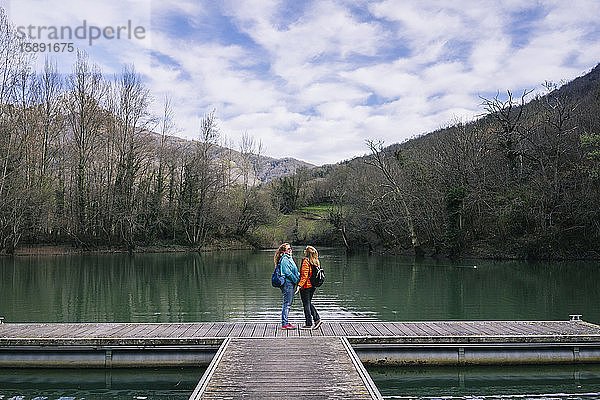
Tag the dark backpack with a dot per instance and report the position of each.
(277, 280)
(317, 276)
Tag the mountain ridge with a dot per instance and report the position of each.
(263, 169)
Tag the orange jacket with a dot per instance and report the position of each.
(305, 273)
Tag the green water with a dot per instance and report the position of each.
(235, 286)
(116, 384)
(517, 382)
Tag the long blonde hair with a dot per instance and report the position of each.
(313, 255)
(279, 253)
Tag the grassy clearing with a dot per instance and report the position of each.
(306, 225)
(320, 210)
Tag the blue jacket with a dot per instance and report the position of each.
(288, 268)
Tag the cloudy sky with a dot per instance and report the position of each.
(313, 79)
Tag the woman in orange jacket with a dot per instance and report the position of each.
(307, 290)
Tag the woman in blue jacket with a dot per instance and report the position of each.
(288, 269)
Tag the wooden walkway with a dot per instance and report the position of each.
(115, 345)
(23, 334)
(286, 368)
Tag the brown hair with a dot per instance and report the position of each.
(313, 255)
(279, 253)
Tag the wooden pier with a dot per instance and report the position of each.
(286, 368)
(113, 345)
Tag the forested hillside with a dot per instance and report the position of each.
(84, 163)
(522, 181)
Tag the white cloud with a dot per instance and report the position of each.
(314, 82)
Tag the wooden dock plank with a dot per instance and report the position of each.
(424, 329)
(237, 329)
(186, 330)
(271, 330)
(130, 330)
(248, 330)
(348, 327)
(149, 329)
(260, 330)
(39, 330)
(122, 330)
(137, 331)
(470, 330)
(371, 329)
(79, 329)
(480, 328)
(408, 328)
(581, 340)
(532, 328)
(49, 330)
(214, 330)
(104, 330)
(434, 329)
(337, 329)
(202, 329)
(326, 329)
(303, 367)
(158, 331)
(45, 330)
(381, 329)
(453, 329)
(394, 328)
(174, 330)
(441, 329)
(510, 328)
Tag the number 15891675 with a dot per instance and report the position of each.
(34, 47)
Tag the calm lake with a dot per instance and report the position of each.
(235, 285)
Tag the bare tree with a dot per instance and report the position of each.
(509, 115)
(249, 210)
(128, 103)
(86, 90)
(16, 143)
(202, 182)
(48, 85)
(393, 187)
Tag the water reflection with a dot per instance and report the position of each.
(507, 382)
(140, 384)
(235, 286)
(539, 382)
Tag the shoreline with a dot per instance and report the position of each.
(233, 244)
(63, 250)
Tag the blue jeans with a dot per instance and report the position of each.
(288, 298)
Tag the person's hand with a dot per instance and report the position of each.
(297, 289)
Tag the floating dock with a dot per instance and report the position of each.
(115, 345)
(286, 368)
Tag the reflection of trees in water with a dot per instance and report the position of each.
(171, 383)
(487, 381)
(234, 286)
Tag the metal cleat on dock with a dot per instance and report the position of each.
(574, 317)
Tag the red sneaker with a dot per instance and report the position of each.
(288, 326)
